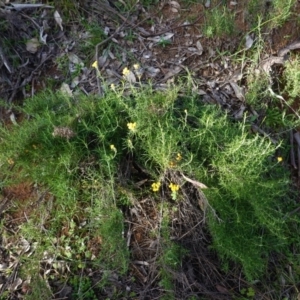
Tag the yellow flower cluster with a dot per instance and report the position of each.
(95, 64)
(178, 157)
(174, 187)
(132, 126)
(155, 186)
(130, 76)
(136, 66)
(279, 159)
(173, 164)
(10, 161)
(126, 71)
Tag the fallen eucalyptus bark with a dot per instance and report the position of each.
(293, 46)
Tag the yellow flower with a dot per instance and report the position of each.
(172, 164)
(174, 187)
(136, 66)
(279, 159)
(95, 65)
(155, 186)
(178, 157)
(113, 87)
(10, 161)
(125, 71)
(113, 148)
(131, 126)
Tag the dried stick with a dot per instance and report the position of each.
(255, 128)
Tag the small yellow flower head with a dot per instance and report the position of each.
(178, 157)
(125, 71)
(113, 148)
(95, 65)
(10, 161)
(113, 87)
(174, 187)
(132, 126)
(172, 164)
(279, 159)
(155, 186)
(138, 71)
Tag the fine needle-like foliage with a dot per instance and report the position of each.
(73, 147)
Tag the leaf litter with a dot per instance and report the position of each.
(170, 46)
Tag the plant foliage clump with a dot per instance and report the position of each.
(75, 146)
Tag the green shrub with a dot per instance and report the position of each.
(248, 190)
(219, 22)
(247, 187)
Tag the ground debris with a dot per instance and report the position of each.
(140, 46)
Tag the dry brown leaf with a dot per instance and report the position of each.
(5, 61)
(32, 45)
(172, 73)
(238, 115)
(58, 19)
(222, 289)
(152, 72)
(199, 47)
(285, 50)
(75, 82)
(14, 286)
(249, 41)
(17, 6)
(165, 37)
(237, 90)
(236, 76)
(65, 89)
(102, 60)
(3, 267)
(129, 76)
(207, 4)
(175, 4)
(12, 118)
(269, 62)
(74, 62)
